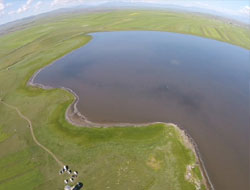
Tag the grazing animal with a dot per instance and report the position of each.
(66, 181)
(66, 167)
(78, 186)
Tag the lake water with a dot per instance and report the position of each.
(200, 84)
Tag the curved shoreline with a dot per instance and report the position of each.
(74, 117)
(72, 112)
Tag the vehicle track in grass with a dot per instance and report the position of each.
(60, 163)
(188, 140)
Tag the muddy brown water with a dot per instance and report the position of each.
(199, 84)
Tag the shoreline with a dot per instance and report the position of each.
(52, 99)
(74, 117)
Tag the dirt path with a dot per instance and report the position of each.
(32, 132)
(188, 139)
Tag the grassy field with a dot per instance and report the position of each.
(152, 157)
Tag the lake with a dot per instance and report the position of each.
(199, 84)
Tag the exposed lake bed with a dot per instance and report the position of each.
(138, 77)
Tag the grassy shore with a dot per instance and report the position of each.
(153, 157)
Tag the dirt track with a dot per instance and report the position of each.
(189, 142)
(32, 132)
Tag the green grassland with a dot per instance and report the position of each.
(152, 157)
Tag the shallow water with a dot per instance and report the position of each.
(200, 84)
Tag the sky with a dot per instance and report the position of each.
(11, 10)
